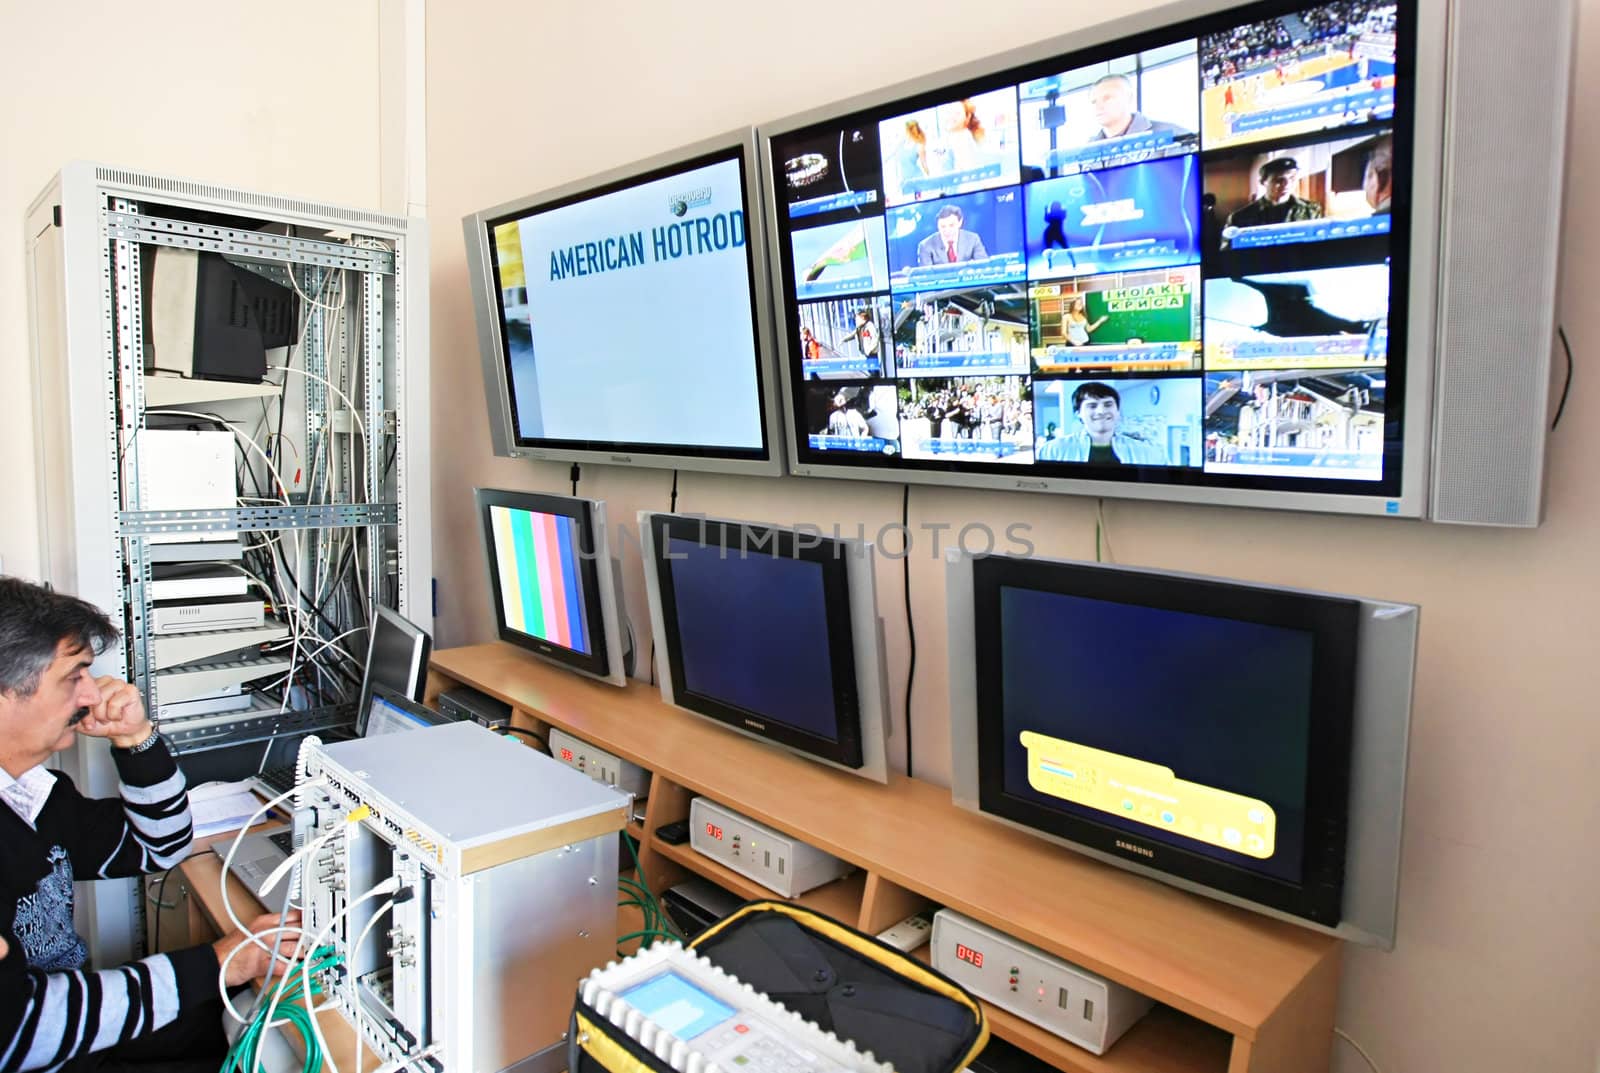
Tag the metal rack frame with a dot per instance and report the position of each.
(85, 235)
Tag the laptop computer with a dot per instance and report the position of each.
(386, 712)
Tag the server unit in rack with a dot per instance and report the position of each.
(463, 898)
(350, 508)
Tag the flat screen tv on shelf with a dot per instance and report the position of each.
(553, 582)
(625, 318)
(1239, 740)
(1189, 254)
(772, 632)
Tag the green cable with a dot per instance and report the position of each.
(657, 925)
(243, 1056)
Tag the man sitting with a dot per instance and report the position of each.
(163, 1012)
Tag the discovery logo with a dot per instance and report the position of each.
(678, 204)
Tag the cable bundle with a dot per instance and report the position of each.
(657, 925)
(244, 1056)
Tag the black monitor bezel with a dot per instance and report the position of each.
(422, 648)
(598, 662)
(1400, 408)
(745, 538)
(735, 152)
(1334, 624)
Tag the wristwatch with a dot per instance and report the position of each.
(147, 744)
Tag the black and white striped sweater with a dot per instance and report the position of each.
(51, 1007)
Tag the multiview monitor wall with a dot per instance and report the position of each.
(1165, 259)
(624, 318)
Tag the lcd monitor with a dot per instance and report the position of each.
(773, 632)
(1170, 256)
(1243, 741)
(624, 318)
(553, 581)
(397, 660)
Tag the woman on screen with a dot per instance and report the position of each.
(1077, 324)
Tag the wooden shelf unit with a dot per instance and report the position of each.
(1245, 993)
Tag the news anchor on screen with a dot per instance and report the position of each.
(1099, 410)
(951, 243)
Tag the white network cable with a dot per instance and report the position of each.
(387, 886)
(222, 883)
(1342, 1034)
(344, 398)
(351, 962)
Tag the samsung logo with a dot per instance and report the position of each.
(1041, 486)
(1140, 850)
(753, 725)
(622, 458)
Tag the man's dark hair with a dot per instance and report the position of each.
(1094, 389)
(950, 210)
(1278, 167)
(33, 622)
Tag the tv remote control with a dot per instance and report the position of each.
(911, 932)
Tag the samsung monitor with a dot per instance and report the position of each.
(389, 712)
(1243, 741)
(624, 318)
(1168, 257)
(773, 632)
(553, 581)
(397, 660)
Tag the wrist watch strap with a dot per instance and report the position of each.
(147, 743)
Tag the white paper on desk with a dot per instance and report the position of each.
(221, 806)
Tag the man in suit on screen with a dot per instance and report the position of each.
(951, 242)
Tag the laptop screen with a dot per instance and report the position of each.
(389, 714)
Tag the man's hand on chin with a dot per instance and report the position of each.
(119, 717)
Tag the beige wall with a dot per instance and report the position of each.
(282, 97)
(1498, 965)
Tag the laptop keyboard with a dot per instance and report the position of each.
(277, 780)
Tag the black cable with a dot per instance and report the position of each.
(574, 478)
(509, 729)
(672, 508)
(161, 902)
(911, 626)
(1561, 333)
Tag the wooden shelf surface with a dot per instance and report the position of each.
(1225, 966)
(840, 899)
(1164, 1041)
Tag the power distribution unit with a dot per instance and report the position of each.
(1056, 995)
(599, 764)
(497, 870)
(782, 864)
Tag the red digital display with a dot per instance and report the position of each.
(714, 831)
(969, 955)
(566, 754)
